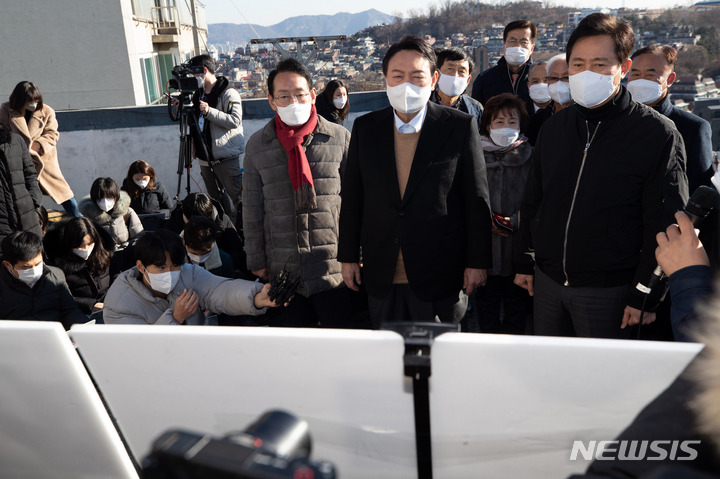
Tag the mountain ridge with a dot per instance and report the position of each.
(341, 23)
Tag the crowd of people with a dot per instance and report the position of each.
(541, 203)
(531, 205)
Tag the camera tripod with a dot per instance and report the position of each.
(190, 136)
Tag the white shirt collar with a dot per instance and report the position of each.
(416, 122)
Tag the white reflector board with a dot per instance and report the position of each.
(52, 421)
(511, 406)
(348, 385)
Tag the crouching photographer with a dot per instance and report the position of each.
(219, 112)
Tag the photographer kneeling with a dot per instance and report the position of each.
(161, 289)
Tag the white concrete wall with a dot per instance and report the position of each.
(75, 51)
(88, 154)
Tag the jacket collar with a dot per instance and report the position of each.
(502, 63)
(665, 107)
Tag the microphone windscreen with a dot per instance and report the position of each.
(701, 202)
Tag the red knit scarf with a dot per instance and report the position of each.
(291, 138)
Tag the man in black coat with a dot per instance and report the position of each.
(415, 199)
(512, 71)
(651, 76)
(31, 290)
(608, 174)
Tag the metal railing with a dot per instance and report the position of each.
(166, 20)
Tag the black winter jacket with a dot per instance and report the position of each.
(48, 300)
(148, 201)
(20, 195)
(593, 219)
(86, 288)
(228, 238)
(498, 79)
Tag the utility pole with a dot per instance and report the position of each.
(196, 40)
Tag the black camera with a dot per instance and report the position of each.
(183, 80)
(276, 446)
(283, 286)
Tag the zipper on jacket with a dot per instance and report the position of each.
(572, 204)
(515, 86)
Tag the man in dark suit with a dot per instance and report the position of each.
(651, 75)
(414, 199)
(511, 74)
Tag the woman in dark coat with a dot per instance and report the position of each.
(77, 248)
(502, 306)
(332, 102)
(20, 194)
(147, 194)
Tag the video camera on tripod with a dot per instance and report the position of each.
(183, 78)
(186, 84)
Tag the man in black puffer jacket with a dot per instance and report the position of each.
(607, 176)
(20, 195)
(31, 290)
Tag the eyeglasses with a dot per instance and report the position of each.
(556, 79)
(514, 42)
(284, 100)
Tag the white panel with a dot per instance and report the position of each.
(348, 385)
(511, 406)
(52, 421)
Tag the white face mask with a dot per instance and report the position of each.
(30, 276)
(142, 183)
(589, 89)
(295, 114)
(645, 91)
(200, 80)
(452, 86)
(200, 259)
(516, 56)
(31, 106)
(408, 98)
(539, 93)
(163, 282)
(504, 136)
(84, 253)
(339, 103)
(560, 92)
(106, 204)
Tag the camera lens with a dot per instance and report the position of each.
(283, 434)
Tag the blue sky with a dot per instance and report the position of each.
(271, 12)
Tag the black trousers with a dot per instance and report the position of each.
(502, 306)
(585, 311)
(401, 304)
(329, 309)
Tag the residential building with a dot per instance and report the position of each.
(96, 54)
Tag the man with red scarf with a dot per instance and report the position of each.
(291, 200)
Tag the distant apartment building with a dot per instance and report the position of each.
(705, 6)
(576, 17)
(709, 109)
(692, 87)
(95, 54)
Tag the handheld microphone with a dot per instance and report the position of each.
(700, 204)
